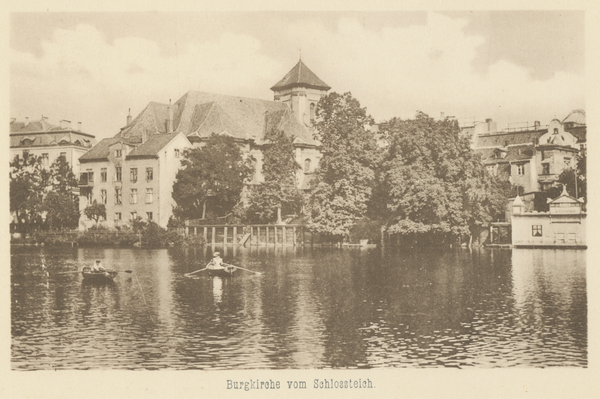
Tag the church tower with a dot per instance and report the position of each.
(301, 90)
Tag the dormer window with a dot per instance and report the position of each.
(118, 153)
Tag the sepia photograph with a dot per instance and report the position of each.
(307, 202)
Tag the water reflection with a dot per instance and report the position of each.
(310, 309)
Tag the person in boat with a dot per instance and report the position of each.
(216, 262)
(98, 266)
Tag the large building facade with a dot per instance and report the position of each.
(48, 141)
(531, 157)
(155, 139)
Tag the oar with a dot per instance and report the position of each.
(237, 267)
(197, 271)
(78, 271)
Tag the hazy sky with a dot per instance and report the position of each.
(92, 67)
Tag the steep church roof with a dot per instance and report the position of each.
(300, 75)
(201, 114)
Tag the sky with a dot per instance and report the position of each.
(511, 66)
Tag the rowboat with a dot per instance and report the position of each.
(99, 276)
(223, 271)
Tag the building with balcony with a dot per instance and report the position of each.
(48, 141)
(153, 141)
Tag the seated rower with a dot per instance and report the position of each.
(98, 266)
(216, 262)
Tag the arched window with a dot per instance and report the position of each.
(307, 165)
(312, 112)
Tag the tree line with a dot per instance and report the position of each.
(417, 179)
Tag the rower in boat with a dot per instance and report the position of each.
(217, 267)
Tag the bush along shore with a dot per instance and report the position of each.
(147, 236)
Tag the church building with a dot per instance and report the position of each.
(150, 145)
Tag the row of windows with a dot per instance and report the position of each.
(133, 174)
(132, 216)
(133, 196)
(45, 157)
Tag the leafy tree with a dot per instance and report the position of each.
(279, 189)
(345, 177)
(212, 177)
(437, 186)
(575, 175)
(27, 190)
(95, 211)
(62, 204)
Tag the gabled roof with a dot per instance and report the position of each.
(300, 75)
(152, 146)
(100, 151)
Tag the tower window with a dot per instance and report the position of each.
(312, 112)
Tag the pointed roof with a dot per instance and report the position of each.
(300, 75)
(201, 114)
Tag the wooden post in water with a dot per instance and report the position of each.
(251, 236)
(257, 235)
(283, 233)
(225, 235)
(275, 239)
(205, 235)
(294, 237)
(234, 235)
(195, 231)
(212, 239)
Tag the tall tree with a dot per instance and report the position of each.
(28, 184)
(345, 176)
(279, 191)
(438, 187)
(62, 203)
(211, 179)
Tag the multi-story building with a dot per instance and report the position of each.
(158, 135)
(531, 157)
(49, 141)
(131, 180)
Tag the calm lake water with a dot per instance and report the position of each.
(312, 308)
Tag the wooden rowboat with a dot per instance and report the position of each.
(223, 271)
(99, 276)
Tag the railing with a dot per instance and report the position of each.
(259, 234)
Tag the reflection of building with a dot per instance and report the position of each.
(48, 141)
(563, 226)
(118, 165)
(532, 157)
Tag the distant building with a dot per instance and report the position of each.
(532, 157)
(163, 129)
(563, 226)
(49, 141)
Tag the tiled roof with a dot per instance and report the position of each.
(42, 133)
(201, 114)
(512, 154)
(152, 146)
(577, 116)
(300, 75)
(498, 140)
(100, 150)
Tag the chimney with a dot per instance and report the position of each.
(441, 115)
(170, 120)
(44, 118)
(13, 120)
(79, 126)
(65, 124)
(26, 120)
(129, 118)
(491, 125)
(536, 125)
